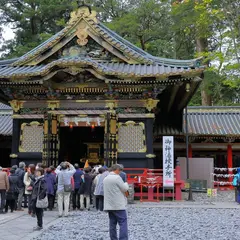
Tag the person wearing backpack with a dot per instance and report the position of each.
(236, 183)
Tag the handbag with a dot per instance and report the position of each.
(41, 203)
(67, 187)
(29, 188)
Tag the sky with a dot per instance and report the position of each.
(7, 33)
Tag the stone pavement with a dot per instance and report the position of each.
(19, 225)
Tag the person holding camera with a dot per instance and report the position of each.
(115, 202)
(65, 172)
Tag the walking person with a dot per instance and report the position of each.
(39, 192)
(98, 192)
(21, 187)
(28, 180)
(65, 172)
(85, 189)
(115, 202)
(12, 192)
(4, 187)
(236, 183)
(50, 179)
(76, 195)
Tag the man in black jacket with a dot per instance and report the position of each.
(21, 187)
(85, 188)
(12, 192)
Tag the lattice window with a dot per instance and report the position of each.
(131, 137)
(31, 139)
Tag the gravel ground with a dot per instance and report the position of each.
(222, 196)
(151, 224)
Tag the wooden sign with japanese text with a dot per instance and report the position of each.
(168, 161)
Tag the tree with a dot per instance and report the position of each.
(208, 24)
(34, 21)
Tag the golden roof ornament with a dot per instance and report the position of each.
(83, 12)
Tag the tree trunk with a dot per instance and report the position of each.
(142, 42)
(206, 97)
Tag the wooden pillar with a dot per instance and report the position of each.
(110, 139)
(149, 142)
(190, 150)
(107, 139)
(15, 141)
(229, 161)
(54, 141)
(178, 191)
(113, 138)
(45, 140)
(50, 141)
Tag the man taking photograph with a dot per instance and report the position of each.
(115, 202)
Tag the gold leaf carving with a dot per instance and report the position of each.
(16, 105)
(82, 37)
(83, 12)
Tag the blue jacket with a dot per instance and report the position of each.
(77, 178)
(20, 172)
(123, 175)
(50, 182)
(235, 180)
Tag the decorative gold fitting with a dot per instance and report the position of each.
(150, 104)
(150, 155)
(83, 12)
(53, 105)
(188, 86)
(111, 105)
(13, 155)
(16, 105)
(150, 115)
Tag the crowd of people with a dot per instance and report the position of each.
(37, 187)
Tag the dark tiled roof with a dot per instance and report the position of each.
(6, 125)
(4, 107)
(210, 121)
(5, 120)
(7, 62)
(110, 68)
(214, 121)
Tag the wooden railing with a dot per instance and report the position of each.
(150, 179)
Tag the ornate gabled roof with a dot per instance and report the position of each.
(208, 121)
(87, 53)
(109, 68)
(84, 24)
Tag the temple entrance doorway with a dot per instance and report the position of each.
(78, 144)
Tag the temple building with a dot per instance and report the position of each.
(88, 94)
